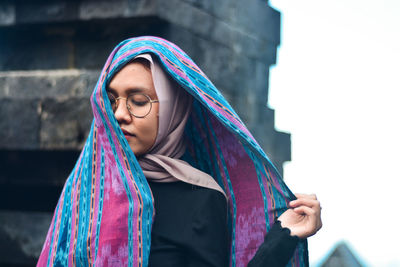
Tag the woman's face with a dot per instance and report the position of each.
(141, 133)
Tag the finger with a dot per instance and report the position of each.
(314, 216)
(304, 210)
(305, 201)
(312, 196)
(312, 203)
(311, 222)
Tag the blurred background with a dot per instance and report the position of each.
(313, 80)
(336, 89)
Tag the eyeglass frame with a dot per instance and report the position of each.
(151, 101)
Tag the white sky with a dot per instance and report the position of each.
(336, 89)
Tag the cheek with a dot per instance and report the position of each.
(150, 128)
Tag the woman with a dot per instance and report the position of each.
(170, 176)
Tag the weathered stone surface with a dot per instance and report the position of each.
(240, 29)
(261, 83)
(222, 32)
(18, 55)
(262, 130)
(256, 49)
(222, 9)
(7, 13)
(185, 15)
(59, 84)
(50, 109)
(281, 151)
(92, 9)
(258, 19)
(46, 11)
(83, 44)
(22, 235)
(253, 18)
(41, 168)
(65, 124)
(19, 123)
(4, 89)
(87, 57)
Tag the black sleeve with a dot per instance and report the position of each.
(210, 239)
(277, 249)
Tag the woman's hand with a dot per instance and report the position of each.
(304, 216)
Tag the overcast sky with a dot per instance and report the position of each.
(336, 89)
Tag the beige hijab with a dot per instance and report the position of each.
(161, 163)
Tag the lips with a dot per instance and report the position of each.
(127, 133)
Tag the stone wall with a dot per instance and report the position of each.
(51, 53)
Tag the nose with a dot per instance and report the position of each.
(122, 113)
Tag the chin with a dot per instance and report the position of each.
(138, 152)
(135, 151)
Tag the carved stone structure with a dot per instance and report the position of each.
(342, 255)
(51, 53)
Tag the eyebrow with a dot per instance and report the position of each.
(129, 91)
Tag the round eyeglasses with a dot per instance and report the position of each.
(138, 104)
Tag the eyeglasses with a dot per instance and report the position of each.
(138, 104)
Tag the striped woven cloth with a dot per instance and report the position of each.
(104, 214)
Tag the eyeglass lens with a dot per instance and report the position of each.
(139, 105)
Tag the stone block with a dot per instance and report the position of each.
(263, 130)
(39, 54)
(218, 65)
(59, 84)
(283, 146)
(41, 169)
(261, 82)
(91, 9)
(46, 11)
(47, 109)
(22, 235)
(89, 79)
(223, 33)
(258, 19)
(247, 39)
(206, 5)
(19, 123)
(7, 13)
(222, 9)
(103, 9)
(4, 89)
(43, 84)
(186, 16)
(65, 124)
(90, 55)
(244, 81)
(255, 48)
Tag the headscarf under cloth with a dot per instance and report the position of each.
(105, 212)
(162, 162)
